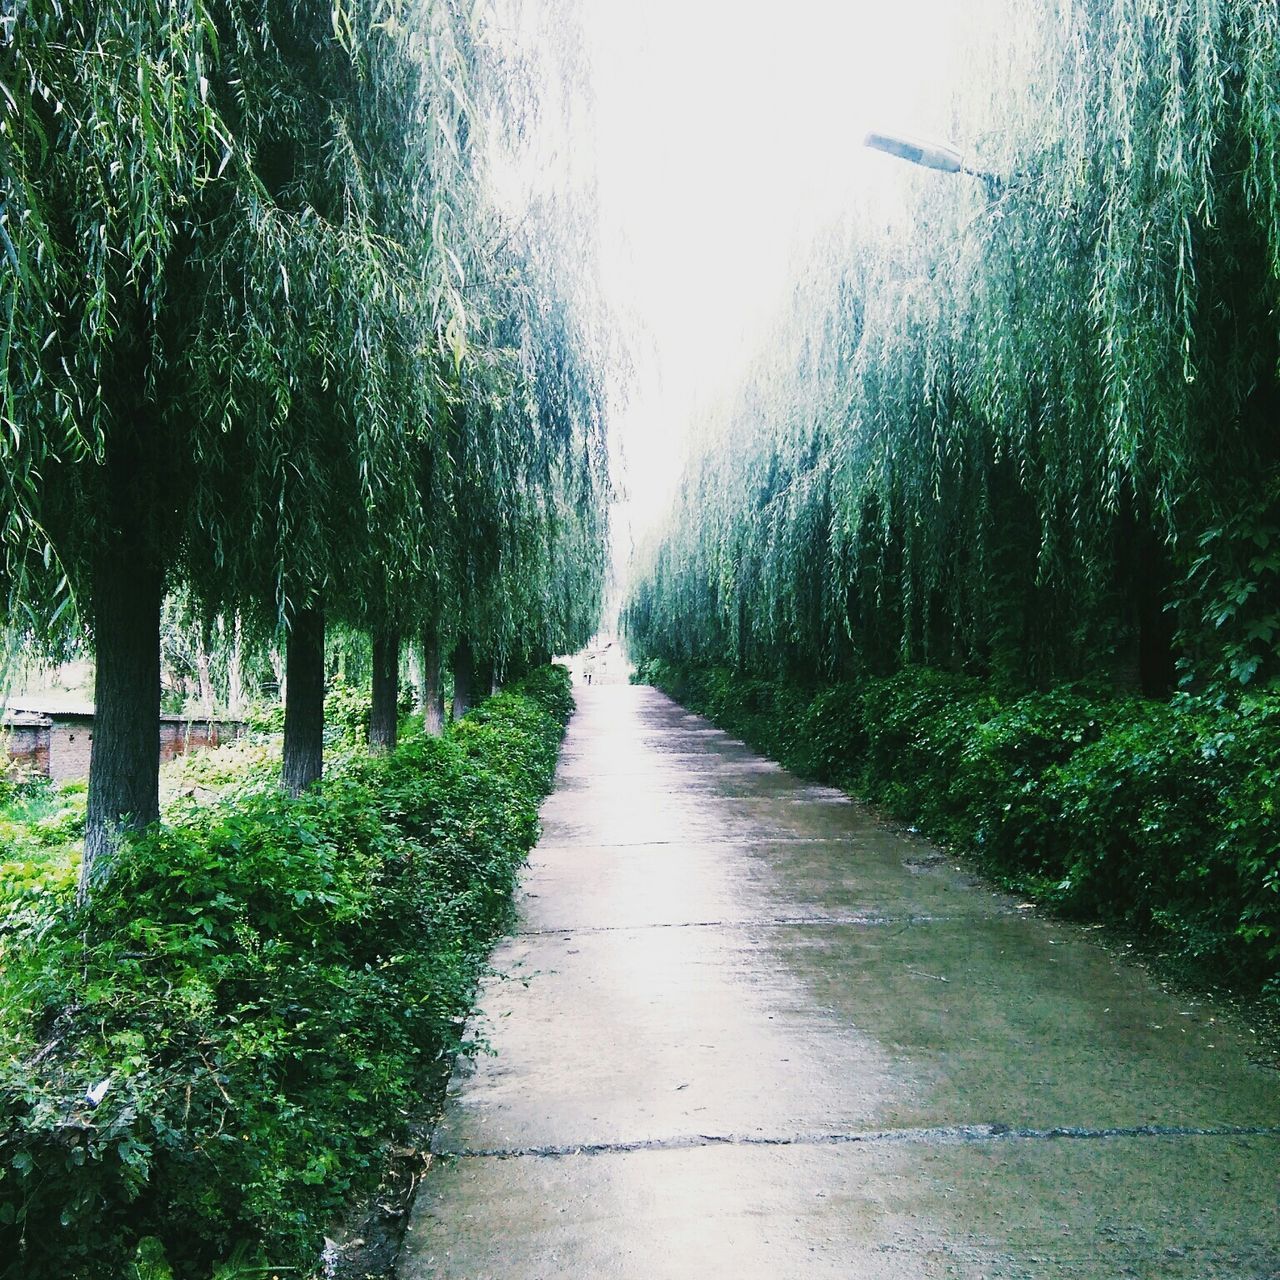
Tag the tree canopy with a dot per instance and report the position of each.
(269, 338)
(1030, 427)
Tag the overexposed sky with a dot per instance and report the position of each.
(727, 132)
(719, 138)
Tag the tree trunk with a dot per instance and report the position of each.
(462, 674)
(432, 687)
(1144, 562)
(304, 702)
(206, 678)
(235, 676)
(1157, 658)
(384, 711)
(416, 678)
(124, 761)
(483, 677)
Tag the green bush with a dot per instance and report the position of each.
(997, 794)
(550, 688)
(1169, 821)
(264, 989)
(833, 735)
(918, 725)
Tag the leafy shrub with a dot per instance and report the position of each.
(833, 734)
(550, 688)
(40, 825)
(346, 712)
(243, 762)
(213, 1055)
(997, 794)
(918, 725)
(1170, 820)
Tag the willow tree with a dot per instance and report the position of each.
(515, 485)
(182, 199)
(110, 151)
(236, 238)
(313, 330)
(1032, 430)
(530, 488)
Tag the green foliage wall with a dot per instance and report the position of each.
(1030, 428)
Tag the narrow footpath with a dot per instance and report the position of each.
(747, 1031)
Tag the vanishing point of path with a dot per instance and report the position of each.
(747, 1031)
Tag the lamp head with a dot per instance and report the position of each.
(932, 155)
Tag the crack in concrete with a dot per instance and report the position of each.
(868, 920)
(943, 1135)
(745, 842)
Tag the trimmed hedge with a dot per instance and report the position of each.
(265, 989)
(1160, 816)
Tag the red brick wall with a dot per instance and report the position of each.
(70, 742)
(177, 737)
(28, 747)
(62, 752)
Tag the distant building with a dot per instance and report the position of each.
(55, 744)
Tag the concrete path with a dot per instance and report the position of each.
(749, 1032)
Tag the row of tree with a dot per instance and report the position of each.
(1032, 428)
(268, 342)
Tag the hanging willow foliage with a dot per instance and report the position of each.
(1035, 426)
(265, 338)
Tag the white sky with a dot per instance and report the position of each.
(727, 133)
(721, 136)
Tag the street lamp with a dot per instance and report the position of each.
(931, 155)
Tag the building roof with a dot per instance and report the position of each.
(34, 714)
(19, 718)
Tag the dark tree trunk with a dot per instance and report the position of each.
(124, 761)
(384, 711)
(463, 665)
(304, 701)
(1145, 562)
(483, 678)
(432, 687)
(1157, 657)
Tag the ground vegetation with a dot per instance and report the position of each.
(203, 1067)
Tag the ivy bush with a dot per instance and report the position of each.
(1162, 816)
(211, 1059)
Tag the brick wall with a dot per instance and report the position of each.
(70, 741)
(61, 749)
(177, 737)
(28, 747)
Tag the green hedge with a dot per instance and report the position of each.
(1162, 816)
(266, 987)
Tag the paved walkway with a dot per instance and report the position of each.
(748, 1032)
